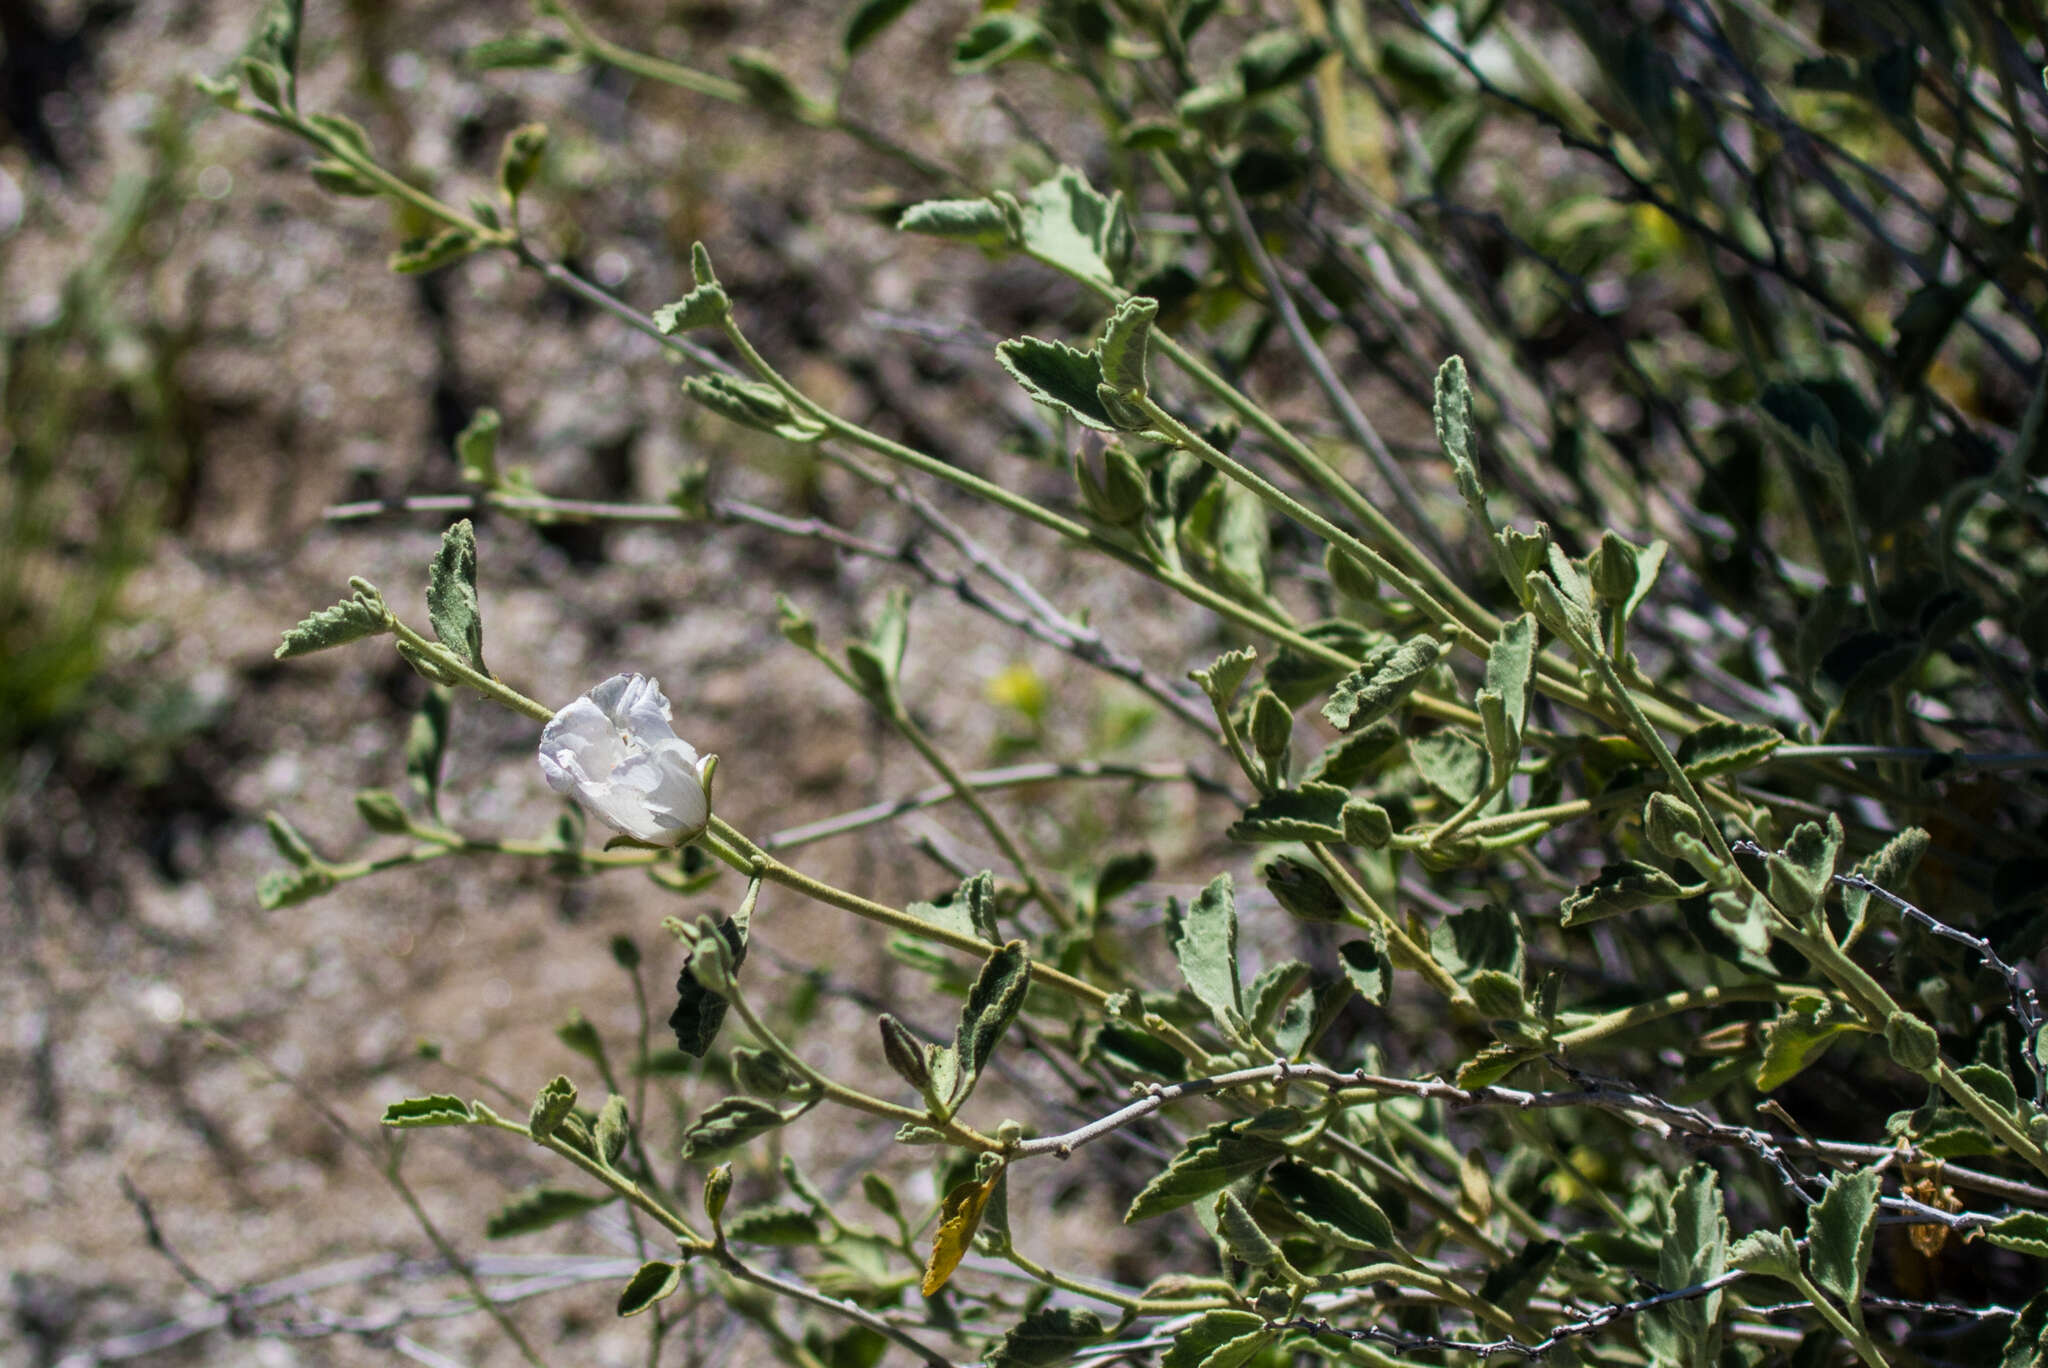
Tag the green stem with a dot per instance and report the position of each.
(1866, 1348)
(1671, 1004)
(1402, 946)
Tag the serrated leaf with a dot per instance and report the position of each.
(1889, 867)
(1218, 1157)
(969, 909)
(992, 1004)
(754, 404)
(979, 221)
(1381, 683)
(1367, 966)
(1072, 226)
(1772, 1253)
(1241, 1234)
(651, 1284)
(1509, 668)
(2025, 1231)
(1841, 1232)
(1488, 937)
(1060, 377)
(1204, 941)
(1312, 812)
(1493, 1063)
(728, 1124)
(773, 1225)
(1350, 760)
(1694, 1250)
(699, 1011)
(451, 596)
(1121, 353)
(868, 21)
(1617, 889)
(439, 1109)
(1303, 890)
(1331, 1205)
(707, 306)
(537, 1208)
(959, 1217)
(1799, 1036)
(362, 615)
(1450, 762)
(2026, 1344)
(1222, 677)
(1726, 748)
(1048, 1336)
(1802, 873)
(1454, 433)
(1217, 1339)
(551, 1106)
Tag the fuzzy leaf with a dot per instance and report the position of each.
(352, 619)
(754, 404)
(1350, 760)
(1479, 938)
(728, 1124)
(1618, 888)
(959, 1218)
(1128, 1050)
(1060, 377)
(699, 1011)
(1726, 748)
(1121, 353)
(1221, 678)
(653, 1282)
(1799, 1036)
(1802, 873)
(1331, 1205)
(1075, 228)
(1204, 941)
(2025, 1231)
(2026, 1344)
(1217, 1339)
(707, 306)
(1050, 1335)
(1213, 1160)
(979, 221)
(451, 596)
(1241, 1234)
(773, 1225)
(440, 1109)
(551, 1106)
(969, 909)
(516, 50)
(1379, 685)
(1509, 668)
(1313, 812)
(1888, 867)
(1454, 433)
(1841, 1232)
(537, 1208)
(992, 1004)
(1694, 1251)
(1366, 965)
(1451, 762)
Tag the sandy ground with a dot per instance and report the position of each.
(316, 376)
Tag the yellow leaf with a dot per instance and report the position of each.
(959, 1217)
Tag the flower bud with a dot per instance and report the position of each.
(1272, 726)
(1353, 578)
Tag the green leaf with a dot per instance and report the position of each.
(1381, 682)
(1509, 667)
(1278, 57)
(728, 1124)
(1241, 1234)
(440, 1109)
(1450, 762)
(699, 1011)
(381, 812)
(1799, 1036)
(1695, 1250)
(904, 1053)
(1331, 1205)
(451, 596)
(1302, 890)
(1888, 867)
(1772, 1253)
(1121, 353)
(426, 747)
(613, 1129)
(1129, 1050)
(1313, 812)
(1841, 1232)
(1367, 824)
(2025, 1231)
(417, 256)
(1048, 1336)
(537, 1208)
(1479, 938)
(1218, 1157)
(1204, 941)
(553, 1103)
(651, 1284)
(288, 843)
(519, 158)
(476, 448)
(1454, 433)
(2026, 1344)
(707, 306)
(1617, 889)
(878, 661)
(518, 50)
(1074, 228)
(1060, 377)
(982, 222)
(1512, 1284)
(1221, 678)
(1000, 38)
(362, 615)
(868, 20)
(773, 1225)
(992, 1004)
(290, 887)
(1217, 1339)
(337, 177)
(1726, 748)
(1802, 873)
(969, 909)
(753, 404)
(1994, 1083)
(1271, 991)
(1367, 966)
(1350, 760)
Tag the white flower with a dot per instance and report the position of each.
(614, 751)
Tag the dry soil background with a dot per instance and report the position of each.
(312, 376)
